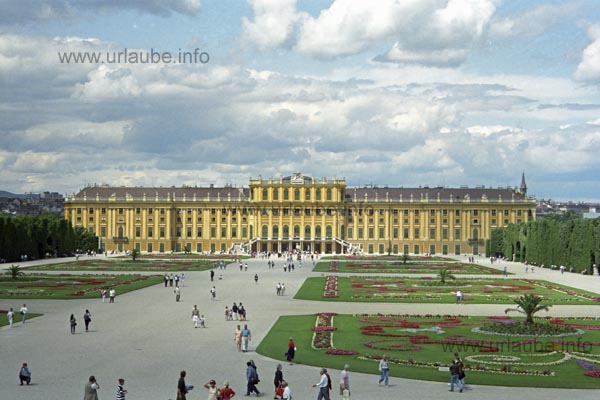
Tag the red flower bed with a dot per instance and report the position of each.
(338, 352)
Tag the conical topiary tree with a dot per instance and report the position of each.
(528, 304)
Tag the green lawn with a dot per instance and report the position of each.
(141, 264)
(17, 318)
(427, 290)
(64, 286)
(418, 349)
(395, 266)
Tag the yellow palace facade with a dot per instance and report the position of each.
(298, 213)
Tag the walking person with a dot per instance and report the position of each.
(195, 316)
(252, 379)
(237, 338)
(246, 338)
(345, 382)
(73, 323)
(282, 289)
(291, 351)
(278, 378)
(87, 318)
(25, 374)
(234, 312)
(91, 389)
(384, 370)
(213, 293)
(121, 392)
(323, 385)
(256, 279)
(287, 392)
(177, 292)
(103, 295)
(182, 388)
(23, 311)
(111, 294)
(212, 275)
(454, 379)
(226, 392)
(10, 315)
(461, 372)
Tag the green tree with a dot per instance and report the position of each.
(445, 274)
(135, 253)
(405, 258)
(14, 271)
(528, 304)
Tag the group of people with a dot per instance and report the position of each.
(112, 293)
(197, 318)
(90, 391)
(235, 313)
(169, 280)
(242, 338)
(280, 289)
(10, 315)
(87, 319)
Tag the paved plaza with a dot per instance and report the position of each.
(147, 338)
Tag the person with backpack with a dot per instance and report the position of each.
(252, 378)
(87, 318)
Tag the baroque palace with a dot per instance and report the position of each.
(298, 213)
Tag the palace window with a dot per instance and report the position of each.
(395, 233)
(350, 233)
(286, 231)
(381, 233)
(265, 194)
(189, 231)
(328, 195)
(328, 231)
(296, 230)
(233, 232)
(297, 194)
(178, 231)
(371, 233)
(286, 194)
(265, 232)
(199, 232)
(150, 231)
(103, 231)
(138, 210)
(416, 233)
(318, 194)
(275, 194)
(457, 234)
(213, 231)
(223, 232)
(431, 233)
(307, 194)
(286, 212)
(445, 233)
(318, 231)
(138, 231)
(307, 211)
(275, 231)
(360, 233)
(307, 231)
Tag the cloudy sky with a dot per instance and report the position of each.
(387, 92)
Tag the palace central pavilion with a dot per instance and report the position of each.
(298, 213)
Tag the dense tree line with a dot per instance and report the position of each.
(39, 236)
(563, 240)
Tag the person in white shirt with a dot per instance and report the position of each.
(23, 311)
(384, 368)
(323, 386)
(112, 293)
(10, 315)
(287, 392)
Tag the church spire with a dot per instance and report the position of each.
(523, 185)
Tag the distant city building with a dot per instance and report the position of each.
(298, 213)
(547, 208)
(31, 203)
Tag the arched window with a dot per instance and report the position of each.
(275, 231)
(307, 194)
(307, 232)
(318, 231)
(275, 194)
(475, 233)
(296, 230)
(297, 194)
(286, 194)
(265, 232)
(328, 231)
(328, 194)
(286, 231)
(318, 194)
(265, 194)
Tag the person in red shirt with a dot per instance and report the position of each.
(291, 352)
(226, 392)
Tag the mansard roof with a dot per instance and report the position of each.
(455, 195)
(163, 194)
